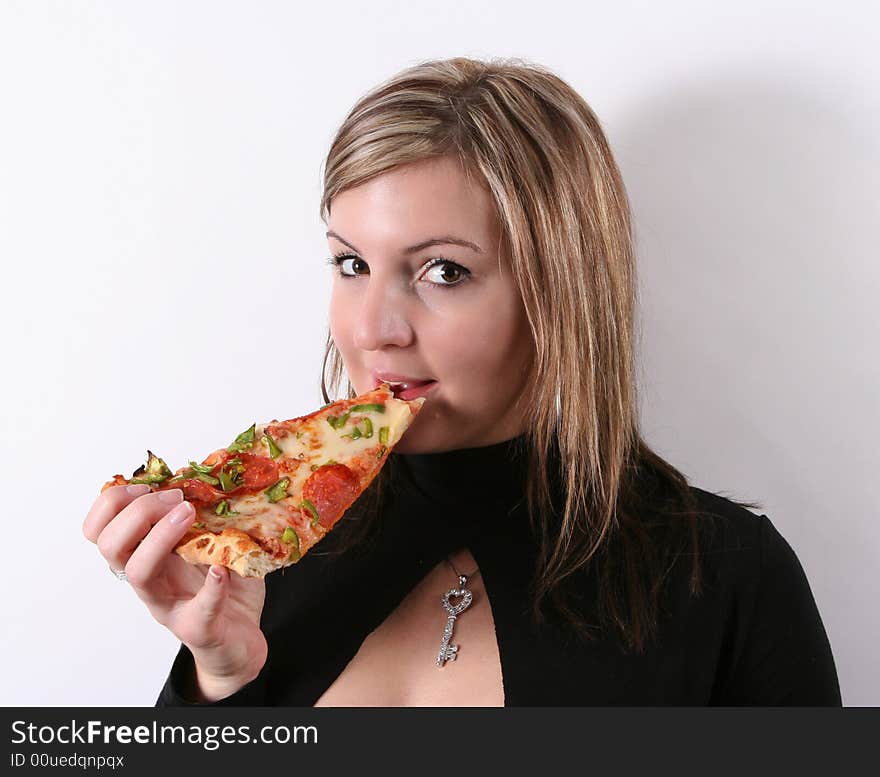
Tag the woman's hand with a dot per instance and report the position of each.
(214, 613)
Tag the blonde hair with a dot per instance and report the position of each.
(541, 152)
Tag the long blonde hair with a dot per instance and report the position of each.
(541, 152)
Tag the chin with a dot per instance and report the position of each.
(419, 439)
(415, 442)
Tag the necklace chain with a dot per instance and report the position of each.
(466, 577)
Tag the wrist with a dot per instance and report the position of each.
(218, 674)
(209, 687)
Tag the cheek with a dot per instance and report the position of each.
(485, 352)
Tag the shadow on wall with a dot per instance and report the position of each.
(756, 215)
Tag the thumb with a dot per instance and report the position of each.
(210, 599)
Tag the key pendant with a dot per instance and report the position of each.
(448, 652)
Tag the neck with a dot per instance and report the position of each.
(470, 481)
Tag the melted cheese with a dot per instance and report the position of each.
(313, 444)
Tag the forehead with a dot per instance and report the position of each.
(413, 202)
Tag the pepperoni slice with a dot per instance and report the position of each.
(331, 489)
(259, 472)
(196, 491)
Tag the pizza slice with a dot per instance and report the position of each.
(280, 487)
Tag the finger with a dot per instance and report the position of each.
(121, 536)
(105, 508)
(208, 602)
(145, 560)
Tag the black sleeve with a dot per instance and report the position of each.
(172, 694)
(786, 658)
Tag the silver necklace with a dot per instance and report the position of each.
(449, 652)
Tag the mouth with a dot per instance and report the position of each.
(414, 391)
(405, 388)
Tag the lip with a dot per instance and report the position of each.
(393, 377)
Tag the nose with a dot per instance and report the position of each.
(382, 317)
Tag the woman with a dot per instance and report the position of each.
(483, 254)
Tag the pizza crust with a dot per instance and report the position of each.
(231, 548)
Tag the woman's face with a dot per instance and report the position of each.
(420, 293)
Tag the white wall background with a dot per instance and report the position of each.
(159, 184)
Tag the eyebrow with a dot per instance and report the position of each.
(433, 241)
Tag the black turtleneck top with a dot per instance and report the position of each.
(754, 636)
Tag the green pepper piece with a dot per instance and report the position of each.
(235, 469)
(223, 509)
(274, 450)
(383, 435)
(289, 535)
(307, 505)
(244, 441)
(370, 408)
(226, 482)
(211, 481)
(355, 434)
(231, 474)
(337, 422)
(381, 452)
(292, 538)
(205, 469)
(192, 474)
(199, 525)
(155, 471)
(279, 491)
(368, 428)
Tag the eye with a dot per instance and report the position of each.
(445, 272)
(349, 264)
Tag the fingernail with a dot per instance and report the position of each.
(216, 574)
(181, 513)
(171, 497)
(138, 490)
